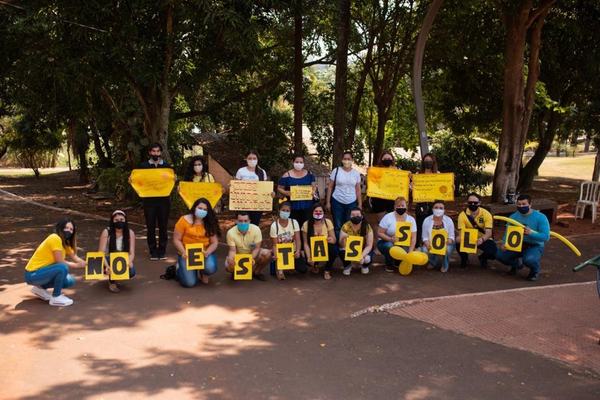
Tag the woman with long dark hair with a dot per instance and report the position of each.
(199, 226)
(252, 172)
(383, 206)
(47, 267)
(318, 225)
(197, 171)
(117, 237)
(357, 226)
(298, 176)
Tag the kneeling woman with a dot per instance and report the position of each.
(286, 230)
(357, 226)
(117, 238)
(438, 221)
(318, 225)
(199, 226)
(47, 267)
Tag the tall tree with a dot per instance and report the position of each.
(341, 80)
(298, 77)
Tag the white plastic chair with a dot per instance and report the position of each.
(589, 195)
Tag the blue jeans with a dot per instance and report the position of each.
(340, 213)
(384, 248)
(531, 256)
(346, 264)
(436, 260)
(52, 276)
(189, 279)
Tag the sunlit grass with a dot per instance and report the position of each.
(26, 172)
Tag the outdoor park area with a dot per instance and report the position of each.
(300, 199)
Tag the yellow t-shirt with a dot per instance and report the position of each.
(207, 178)
(483, 220)
(244, 243)
(191, 233)
(348, 229)
(44, 254)
(325, 228)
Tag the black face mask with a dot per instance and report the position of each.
(120, 224)
(400, 210)
(473, 207)
(387, 163)
(428, 164)
(68, 234)
(155, 158)
(356, 220)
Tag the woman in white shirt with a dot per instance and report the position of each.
(434, 222)
(387, 232)
(286, 230)
(343, 192)
(252, 172)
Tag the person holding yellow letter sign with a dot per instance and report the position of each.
(536, 234)
(286, 230)
(246, 238)
(357, 235)
(200, 226)
(321, 228)
(397, 226)
(438, 237)
(476, 217)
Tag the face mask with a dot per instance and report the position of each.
(120, 225)
(284, 214)
(473, 207)
(347, 163)
(523, 209)
(298, 166)
(318, 217)
(200, 213)
(356, 220)
(400, 210)
(197, 168)
(438, 212)
(387, 162)
(68, 234)
(155, 158)
(252, 163)
(243, 226)
(428, 164)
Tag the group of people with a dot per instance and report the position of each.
(297, 222)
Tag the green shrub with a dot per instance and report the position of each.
(114, 180)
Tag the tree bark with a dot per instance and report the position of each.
(298, 77)
(596, 173)
(586, 144)
(382, 118)
(80, 144)
(341, 80)
(360, 90)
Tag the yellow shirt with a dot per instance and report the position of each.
(207, 178)
(244, 243)
(44, 254)
(191, 233)
(483, 220)
(325, 228)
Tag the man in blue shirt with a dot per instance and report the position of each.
(537, 233)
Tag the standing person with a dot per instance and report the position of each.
(246, 238)
(537, 233)
(476, 217)
(383, 206)
(197, 171)
(298, 176)
(318, 225)
(343, 192)
(438, 220)
(156, 209)
(286, 230)
(47, 267)
(117, 237)
(357, 226)
(252, 172)
(199, 226)
(386, 232)
(424, 210)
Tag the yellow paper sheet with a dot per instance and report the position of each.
(301, 192)
(387, 183)
(430, 187)
(154, 182)
(192, 191)
(251, 196)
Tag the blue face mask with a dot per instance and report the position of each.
(200, 213)
(284, 214)
(243, 226)
(523, 209)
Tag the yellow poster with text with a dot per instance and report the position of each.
(403, 233)
(152, 182)
(354, 248)
(119, 266)
(430, 187)
(318, 249)
(94, 266)
(468, 241)
(439, 242)
(387, 183)
(285, 256)
(195, 256)
(192, 191)
(243, 267)
(250, 196)
(514, 238)
(301, 192)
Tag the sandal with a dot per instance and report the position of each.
(327, 275)
(113, 287)
(280, 275)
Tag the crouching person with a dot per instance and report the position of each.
(117, 237)
(246, 238)
(433, 224)
(476, 217)
(286, 230)
(359, 227)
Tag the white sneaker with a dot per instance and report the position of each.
(347, 271)
(364, 270)
(60, 301)
(41, 293)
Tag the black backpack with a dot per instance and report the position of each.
(170, 273)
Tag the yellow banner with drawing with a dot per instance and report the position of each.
(192, 191)
(154, 182)
(430, 187)
(301, 192)
(387, 183)
(251, 196)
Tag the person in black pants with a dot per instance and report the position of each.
(156, 209)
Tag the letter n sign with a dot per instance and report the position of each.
(468, 241)
(354, 247)
(285, 256)
(439, 241)
(195, 256)
(119, 266)
(318, 249)
(242, 270)
(514, 238)
(403, 233)
(94, 266)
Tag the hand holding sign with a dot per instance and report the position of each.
(301, 192)
(154, 182)
(514, 238)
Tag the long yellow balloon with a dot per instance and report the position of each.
(553, 234)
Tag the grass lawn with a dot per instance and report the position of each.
(580, 167)
(24, 172)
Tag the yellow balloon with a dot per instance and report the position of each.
(417, 258)
(397, 253)
(405, 268)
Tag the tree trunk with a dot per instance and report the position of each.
(586, 144)
(360, 90)
(382, 117)
(596, 173)
(298, 77)
(80, 146)
(341, 80)
(530, 170)
(103, 159)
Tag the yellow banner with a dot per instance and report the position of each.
(354, 247)
(195, 256)
(430, 187)
(403, 233)
(439, 242)
(154, 182)
(119, 266)
(514, 238)
(192, 191)
(468, 240)
(285, 256)
(94, 266)
(243, 267)
(301, 192)
(387, 183)
(251, 196)
(319, 250)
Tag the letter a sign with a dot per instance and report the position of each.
(285, 256)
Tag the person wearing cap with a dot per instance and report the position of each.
(117, 237)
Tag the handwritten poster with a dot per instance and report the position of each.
(251, 196)
(301, 192)
(387, 183)
(430, 187)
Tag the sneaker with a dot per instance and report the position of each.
(60, 301)
(390, 269)
(162, 257)
(364, 270)
(113, 287)
(347, 270)
(533, 277)
(41, 293)
(444, 267)
(153, 257)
